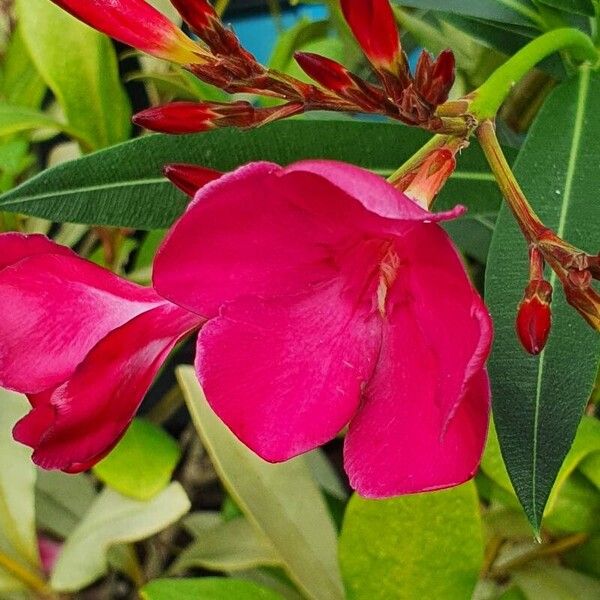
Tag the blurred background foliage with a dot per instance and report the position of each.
(180, 509)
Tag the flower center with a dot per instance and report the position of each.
(388, 271)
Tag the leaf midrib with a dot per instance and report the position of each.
(584, 84)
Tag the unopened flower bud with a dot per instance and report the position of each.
(434, 79)
(534, 317)
(190, 178)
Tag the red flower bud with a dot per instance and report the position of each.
(534, 317)
(329, 73)
(190, 178)
(372, 23)
(434, 79)
(198, 14)
(136, 23)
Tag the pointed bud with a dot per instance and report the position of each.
(434, 79)
(198, 14)
(425, 181)
(534, 317)
(372, 23)
(136, 23)
(196, 117)
(190, 178)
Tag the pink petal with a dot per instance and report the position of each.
(267, 231)
(17, 246)
(451, 315)
(396, 443)
(240, 237)
(372, 191)
(55, 308)
(286, 375)
(86, 416)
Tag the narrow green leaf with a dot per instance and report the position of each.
(123, 185)
(17, 480)
(228, 547)
(578, 7)
(205, 589)
(281, 500)
(539, 401)
(518, 12)
(546, 581)
(413, 547)
(142, 463)
(80, 66)
(113, 519)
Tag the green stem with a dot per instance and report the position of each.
(490, 96)
(437, 141)
(528, 221)
(25, 576)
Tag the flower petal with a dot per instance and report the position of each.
(241, 237)
(451, 315)
(17, 246)
(55, 308)
(78, 423)
(285, 375)
(372, 191)
(397, 443)
(135, 23)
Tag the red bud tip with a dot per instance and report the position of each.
(329, 73)
(534, 317)
(198, 14)
(136, 23)
(374, 27)
(177, 117)
(190, 178)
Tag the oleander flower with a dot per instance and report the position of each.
(82, 343)
(333, 300)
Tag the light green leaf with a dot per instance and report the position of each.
(227, 546)
(413, 547)
(18, 119)
(590, 467)
(550, 582)
(80, 66)
(61, 500)
(557, 170)
(113, 519)
(325, 474)
(142, 463)
(281, 500)
(123, 185)
(17, 481)
(205, 589)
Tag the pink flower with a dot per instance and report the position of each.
(82, 343)
(333, 299)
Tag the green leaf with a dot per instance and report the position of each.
(21, 83)
(123, 185)
(412, 547)
(18, 539)
(61, 500)
(206, 588)
(539, 401)
(517, 12)
(17, 119)
(550, 582)
(227, 546)
(281, 500)
(142, 463)
(80, 66)
(113, 519)
(579, 7)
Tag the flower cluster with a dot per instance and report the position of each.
(220, 60)
(325, 298)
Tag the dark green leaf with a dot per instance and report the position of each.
(539, 401)
(579, 7)
(518, 12)
(206, 588)
(413, 547)
(123, 185)
(142, 463)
